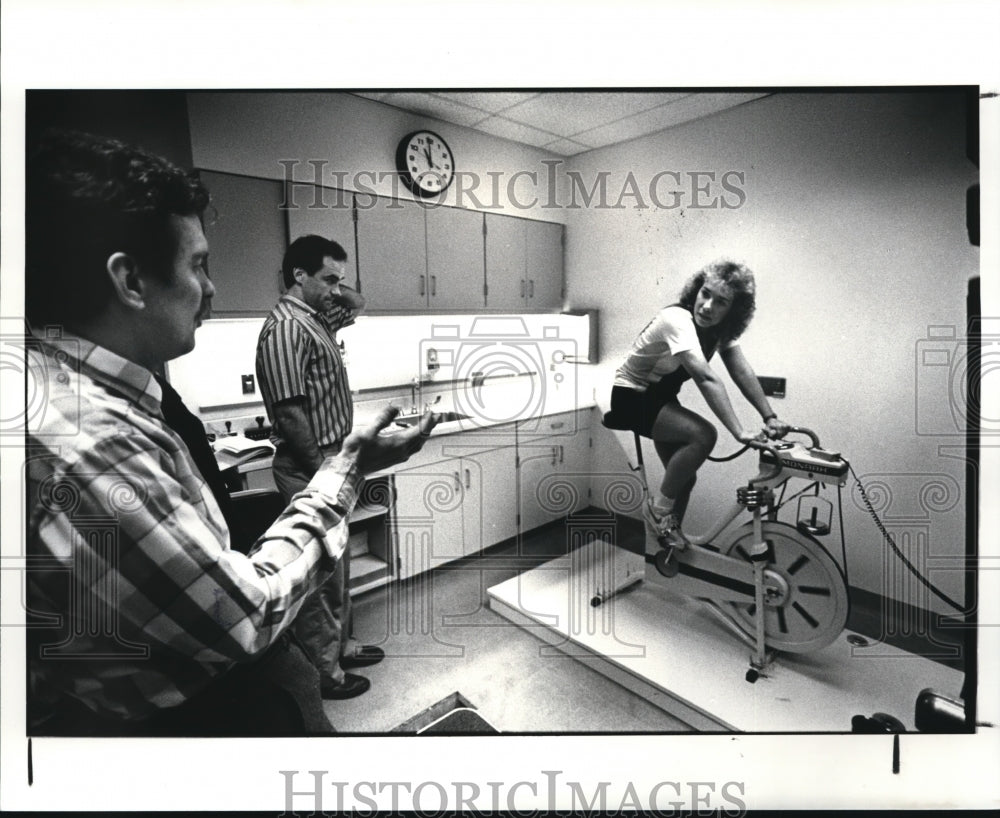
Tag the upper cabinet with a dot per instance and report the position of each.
(392, 254)
(507, 286)
(245, 228)
(543, 265)
(455, 271)
(524, 264)
(404, 256)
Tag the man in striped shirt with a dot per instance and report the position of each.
(143, 620)
(304, 385)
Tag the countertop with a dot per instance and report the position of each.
(499, 410)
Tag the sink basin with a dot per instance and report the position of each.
(443, 417)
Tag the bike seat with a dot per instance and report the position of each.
(612, 421)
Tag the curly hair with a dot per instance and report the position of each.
(87, 198)
(739, 278)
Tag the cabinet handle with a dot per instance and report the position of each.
(522, 288)
(562, 454)
(422, 285)
(558, 425)
(434, 285)
(468, 479)
(555, 454)
(531, 288)
(458, 482)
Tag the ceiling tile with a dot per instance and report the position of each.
(565, 122)
(434, 105)
(490, 101)
(375, 95)
(691, 107)
(567, 112)
(498, 126)
(566, 147)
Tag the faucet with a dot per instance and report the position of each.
(417, 397)
(416, 394)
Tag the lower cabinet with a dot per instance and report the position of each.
(462, 497)
(490, 513)
(453, 508)
(553, 478)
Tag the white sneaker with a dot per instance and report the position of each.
(665, 527)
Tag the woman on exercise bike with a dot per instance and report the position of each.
(715, 307)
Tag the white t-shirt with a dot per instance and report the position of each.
(654, 352)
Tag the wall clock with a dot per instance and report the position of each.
(425, 163)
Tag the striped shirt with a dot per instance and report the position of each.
(128, 549)
(298, 357)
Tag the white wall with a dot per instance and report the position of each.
(854, 221)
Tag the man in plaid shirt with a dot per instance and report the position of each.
(144, 620)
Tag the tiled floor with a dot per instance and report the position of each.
(458, 644)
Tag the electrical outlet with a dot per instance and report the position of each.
(773, 387)
(249, 387)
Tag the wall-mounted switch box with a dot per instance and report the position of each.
(249, 387)
(773, 387)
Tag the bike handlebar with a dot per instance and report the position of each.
(802, 430)
(765, 446)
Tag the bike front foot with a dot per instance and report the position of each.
(666, 560)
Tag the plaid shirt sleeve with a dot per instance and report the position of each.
(172, 579)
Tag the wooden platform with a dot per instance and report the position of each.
(679, 656)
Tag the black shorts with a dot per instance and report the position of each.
(637, 411)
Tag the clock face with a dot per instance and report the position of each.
(425, 163)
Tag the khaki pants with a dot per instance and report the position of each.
(323, 624)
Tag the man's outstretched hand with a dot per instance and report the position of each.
(374, 451)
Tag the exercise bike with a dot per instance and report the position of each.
(771, 582)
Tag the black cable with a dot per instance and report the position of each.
(843, 539)
(925, 582)
(728, 457)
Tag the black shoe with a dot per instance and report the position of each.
(349, 688)
(366, 655)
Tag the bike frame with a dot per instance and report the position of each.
(716, 578)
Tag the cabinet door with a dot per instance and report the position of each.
(455, 273)
(505, 263)
(489, 512)
(392, 253)
(245, 228)
(538, 461)
(324, 212)
(544, 270)
(574, 471)
(428, 516)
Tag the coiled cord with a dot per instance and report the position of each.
(892, 543)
